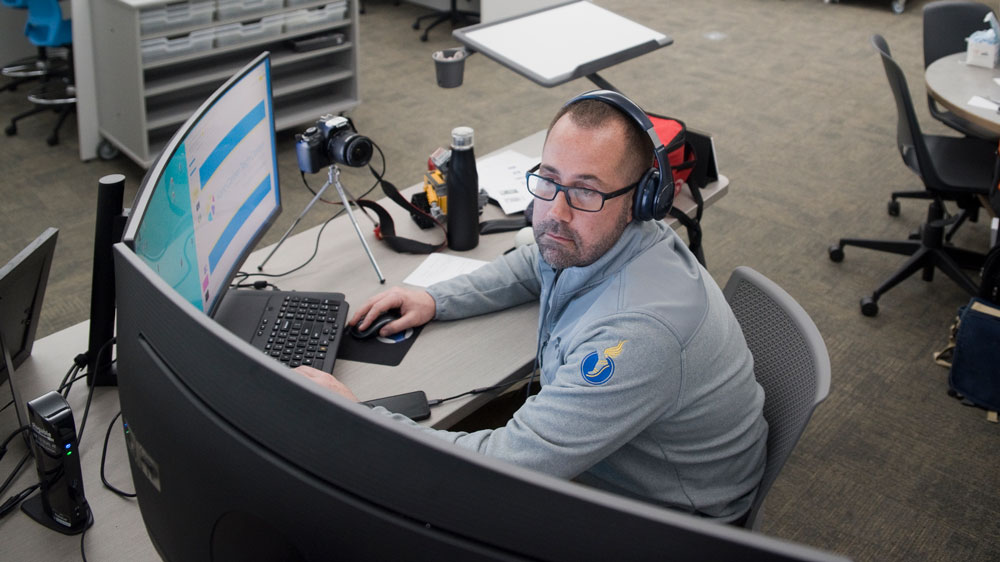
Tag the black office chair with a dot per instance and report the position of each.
(950, 167)
(946, 25)
(458, 18)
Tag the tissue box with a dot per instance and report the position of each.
(981, 53)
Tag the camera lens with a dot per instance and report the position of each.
(351, 149)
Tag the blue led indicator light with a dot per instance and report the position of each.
(68, 445)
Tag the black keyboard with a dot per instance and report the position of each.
(302, 330)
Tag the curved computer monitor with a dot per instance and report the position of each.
(213, 191)
(236, 457)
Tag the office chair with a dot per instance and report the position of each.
(953, 168)
(46, 28)
(790, 362)
(457, 18)
(946, 25)
(31, 68)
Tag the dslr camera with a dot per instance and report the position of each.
(332, 140)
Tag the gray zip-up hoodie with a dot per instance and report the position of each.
(647, 382)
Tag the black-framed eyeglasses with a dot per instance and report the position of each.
(579, 198)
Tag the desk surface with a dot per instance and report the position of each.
(953, 83)
(540, 46)
(445, 360)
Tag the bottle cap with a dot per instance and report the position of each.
(461, 137)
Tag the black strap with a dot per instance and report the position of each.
(693, 229)
(386, 229)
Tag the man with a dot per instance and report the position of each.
(647, 383)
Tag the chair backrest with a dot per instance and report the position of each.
(790, 362)
(909, 138)
(947, 24)
(20, 4)
(45, 26)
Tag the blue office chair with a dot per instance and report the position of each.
(25, 69)
(47, 29)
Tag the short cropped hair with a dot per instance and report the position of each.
(592, 114)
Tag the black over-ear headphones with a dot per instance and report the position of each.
(654, 193)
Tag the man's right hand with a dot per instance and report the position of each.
(416, 307)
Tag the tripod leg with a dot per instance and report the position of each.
(315, 198)
(335, 178)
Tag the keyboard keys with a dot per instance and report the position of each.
(300, 330)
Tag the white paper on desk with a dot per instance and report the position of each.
(441, 267)
(502, 176)
(982, 103)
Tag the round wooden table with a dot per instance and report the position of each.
(952, 83)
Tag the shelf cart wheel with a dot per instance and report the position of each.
(107, 151)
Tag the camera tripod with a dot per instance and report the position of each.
(333, 178)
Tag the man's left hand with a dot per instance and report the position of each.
(327, 381)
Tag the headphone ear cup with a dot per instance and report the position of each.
(646, 196)
(664, 196)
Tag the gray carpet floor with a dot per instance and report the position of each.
(890, 468)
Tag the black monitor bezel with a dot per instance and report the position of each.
(155, 171)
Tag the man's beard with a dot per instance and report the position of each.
(562, 256)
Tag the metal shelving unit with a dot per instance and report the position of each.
(141, 103)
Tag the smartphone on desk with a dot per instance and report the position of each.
(411, 404)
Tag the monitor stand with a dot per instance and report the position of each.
(110, 225)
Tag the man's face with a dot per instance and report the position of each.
(578, 157)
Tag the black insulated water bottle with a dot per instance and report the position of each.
(463, 192)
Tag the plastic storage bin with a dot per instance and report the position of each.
(330, 13)
(174, 16)
(236, 8)
(235, 33)
(164, 47)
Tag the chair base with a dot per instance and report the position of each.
(926, 254)
(57, 96)
(969, 210)
(458, 18)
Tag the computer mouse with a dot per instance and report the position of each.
(376, 325)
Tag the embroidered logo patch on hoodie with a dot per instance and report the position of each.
(597, 370)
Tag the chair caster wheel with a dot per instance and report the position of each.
(52, 140)
(869, 307)
(416, 25)
(893, 208)
(836, 253)
(11, 130)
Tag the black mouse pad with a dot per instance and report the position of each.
(378, 350)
